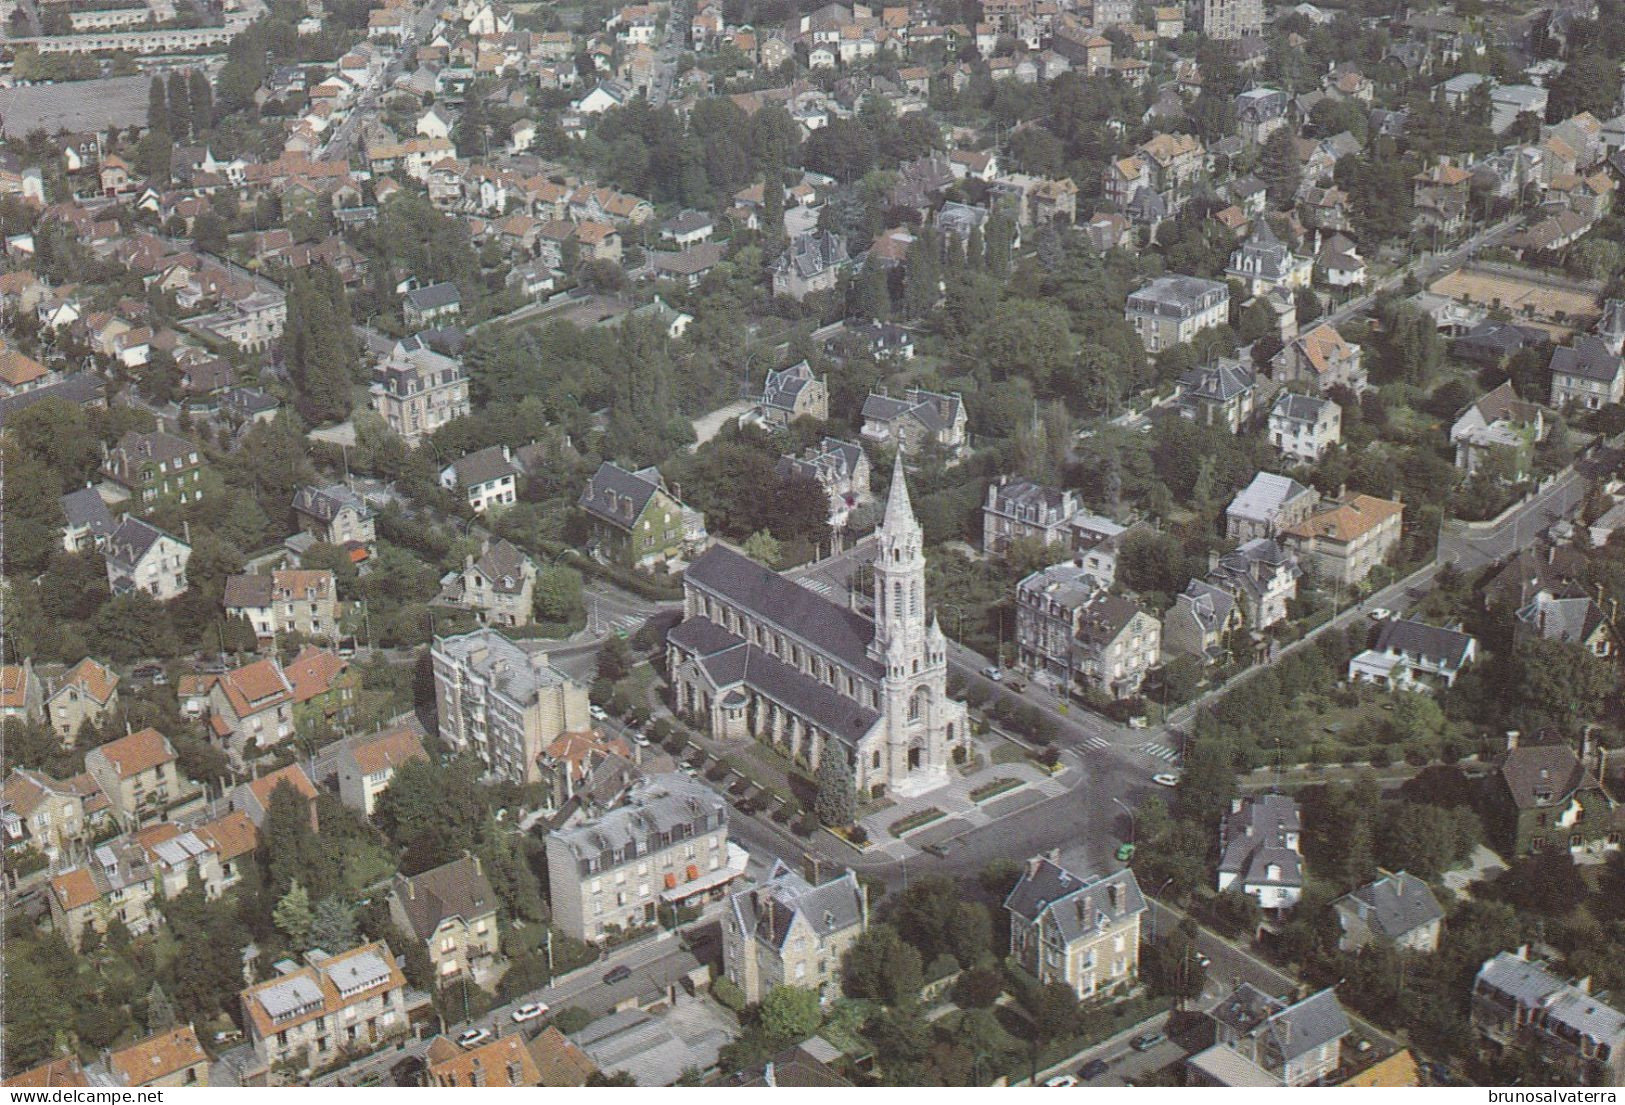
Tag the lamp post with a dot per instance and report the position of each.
(1158, 894)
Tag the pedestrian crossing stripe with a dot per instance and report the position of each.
(1159, 751)
(1097, 743)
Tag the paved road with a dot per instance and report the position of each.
(1425, 268)
(1470, 546)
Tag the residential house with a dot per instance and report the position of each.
(1080, 931)
(1322, 359)
(1501, 429)
(488, 478)
(54, 817)
(667, 845)
(1262, 576)
(1232, 20)
(1268, 505)
(1260, 112)
(841, 469)
(86, 695)
(790, 394)
(500, 586)
(1259, 853)
(559, 1062)
(1096, 542)
(1396, 910)
(785, 931)
(502, 703)
(916, 420)
(1021, 510)
(366, 764)
(1303, 428)
(22, 695)
(114, 884)
(1520, 1004)
(336, 515)
(86, 521)
(251, 708)
(428, 304)
(1263, 1041)
(253, 799)
(1573, 619)
(287, 601)
(172, 1057)
(589, 769)
(1115, 642)
(1548, 797)
(811, 264)
(1263, 263)
(1587, 374)
(1493, 343)
(452, 910)
(140, 775)
(1219, 394)
(1342, 542)
(635, 519)
(335, 1006)
(502, 1062)
(157, 469)
(1200, 623)
(1440, 196)
(1171, 310)
(1412, 655)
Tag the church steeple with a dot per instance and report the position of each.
(899, 580)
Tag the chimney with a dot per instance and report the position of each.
(1512, 739)
(476, 860)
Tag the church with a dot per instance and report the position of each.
(758, 656)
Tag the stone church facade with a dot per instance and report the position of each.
(757, 656)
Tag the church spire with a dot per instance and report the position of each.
(899, 511)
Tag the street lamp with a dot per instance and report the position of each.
(1158, 894)
(1122, 805)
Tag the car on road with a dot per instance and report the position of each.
(474, 1037)
(597, 712)
(1202, 959)
(1165, 779)
(1381, 614)
(1016, 683)
(1060, 1081)
(619, 973)
(1146, 1041)
(1094, 1068)
(529, 1012)
(993, 673)
(1125, 852)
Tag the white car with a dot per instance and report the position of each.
(529, 1012)
(474, 1037)
(1381, 614)
(597, 713)
(993, 673)
(642, 740)
(1060, 1081)
(1165, 779)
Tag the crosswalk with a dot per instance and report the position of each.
(818, 584)
(1097, 743)
(1158, 752)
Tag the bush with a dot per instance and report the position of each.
(662, 729)
(572, 1019)
(1050, 756)
(728, 993)
(858, 834)
(806, 825)
(977, 988)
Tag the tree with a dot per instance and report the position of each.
(202, 96)
(837, 800)
(160, 1010)
(180, 107)
(157, 106)
(558, 594)
(880, 967)
(1556, 683)
(332, 925)
(614, 659)
(1278, 167)
(970, 933)
(791, 1014)
(762, 546)
(292, 914)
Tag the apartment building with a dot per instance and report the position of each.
(666, 846)
(140, 775)
(157, 469)
(417, 390)
(332, 1007)
(1302, 428)
(1081, 931)
(1520, 1003)
(1021, 510)
(301, 601)
(502, 703)
(1342, 542)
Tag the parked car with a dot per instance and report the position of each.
(1381, 614)
(993, 673)
(619, 973)
(1094, 1068)
(1165, 779)
(1146, 1041)
(1061, 1081)
(474, 1037)
(1125, 852)
(529, 1012)
(597, 712)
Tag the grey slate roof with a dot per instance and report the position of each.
(131, 541)
(1299, 408)
(635, 488)
(1393, 905)
(504, 566)
(1570, 620)
(85, 509)
(433, 296)
(455, 889)
(768, 911)
(484, 466)
(325, 503)
(1588, 358)
(1076, 905)
(1215, 383)
(1532, 986)
(1315, 1021)
(1543, 775)
(671, 804)
(827, 626)
(1255, 838)
(1445, 647)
